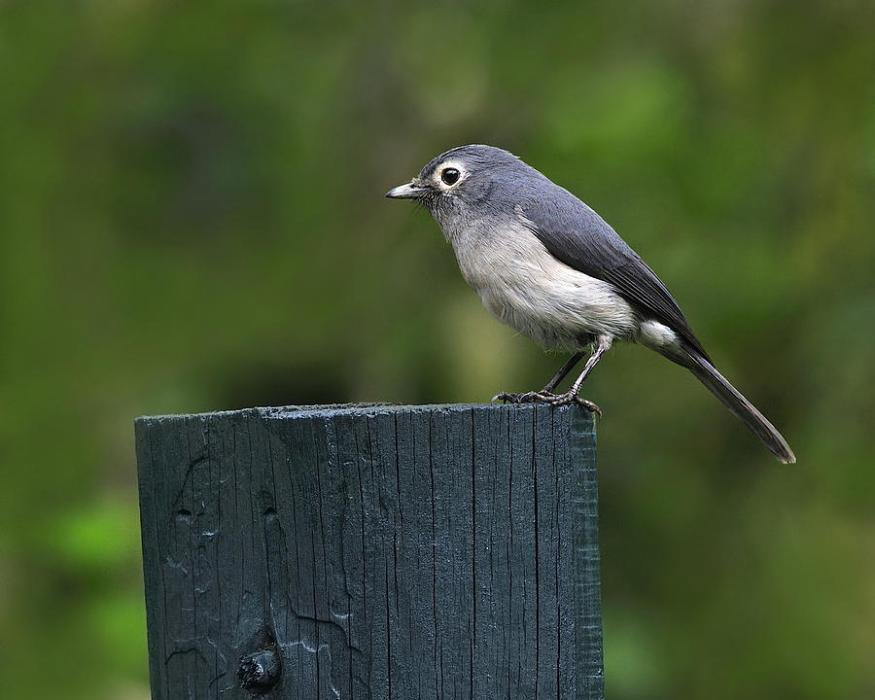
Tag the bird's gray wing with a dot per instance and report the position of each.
(575, 234)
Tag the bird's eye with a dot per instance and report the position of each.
(450, 176)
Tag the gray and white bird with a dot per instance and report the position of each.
(549, 266)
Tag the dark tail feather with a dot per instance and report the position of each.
(758, 424)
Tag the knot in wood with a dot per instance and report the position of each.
(259, 671)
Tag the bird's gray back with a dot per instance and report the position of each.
(575, 234)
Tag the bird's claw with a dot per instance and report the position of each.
(550, 398)
(570, 397)
(524, 397)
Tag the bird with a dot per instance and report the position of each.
(546, 264)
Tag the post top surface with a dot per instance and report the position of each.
(332, 410)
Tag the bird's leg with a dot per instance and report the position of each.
(573, 394)
(562, 373)
(530, 396)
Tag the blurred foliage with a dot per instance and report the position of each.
(191, 218)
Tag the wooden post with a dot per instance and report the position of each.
(372, 552)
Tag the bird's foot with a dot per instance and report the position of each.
(570, 397)
(524, 397)
(565, 399)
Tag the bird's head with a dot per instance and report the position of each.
(461, 179)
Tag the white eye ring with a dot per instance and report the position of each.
(449, 174)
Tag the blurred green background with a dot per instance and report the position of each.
(192, 218)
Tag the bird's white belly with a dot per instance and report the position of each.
(523, 285)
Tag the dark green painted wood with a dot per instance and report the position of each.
(372, 552)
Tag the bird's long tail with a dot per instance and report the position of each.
(758, 424)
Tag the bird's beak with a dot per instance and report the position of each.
(411, 190)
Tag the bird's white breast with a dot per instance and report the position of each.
(523, 285)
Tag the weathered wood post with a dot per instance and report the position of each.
(372, 552)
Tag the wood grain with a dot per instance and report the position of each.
(372, 552)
